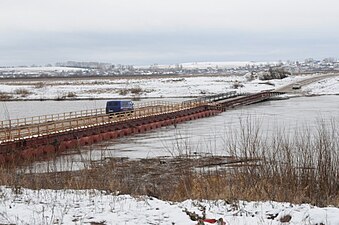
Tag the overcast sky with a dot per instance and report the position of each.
(166, 32)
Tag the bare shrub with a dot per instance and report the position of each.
(133, 91)
(22, 92)
(71, 95)
(4, 96)
(60, 97)
(123, 91)
(173, 80)
(39, 85)
(237, 85)
(66, 95)
(136, 90)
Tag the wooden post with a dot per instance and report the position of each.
(96, 116)
(10, 130)
(38, 129)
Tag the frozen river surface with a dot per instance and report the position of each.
(209, 135)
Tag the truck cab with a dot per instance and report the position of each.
(115, 106)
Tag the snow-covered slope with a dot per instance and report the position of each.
(97, 207)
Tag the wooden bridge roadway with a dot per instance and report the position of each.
(41, 135)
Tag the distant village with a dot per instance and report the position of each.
(86, 69)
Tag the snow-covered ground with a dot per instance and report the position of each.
(205, 65)
(234, 64)
(323, 87)
(154, 87)
(26, 206)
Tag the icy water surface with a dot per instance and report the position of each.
(210, 135)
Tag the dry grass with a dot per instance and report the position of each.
(65, 96)
(22, 92)
(237, 85)
(5, 96)
(71, 94)
(39, 85)
(298, 168)
(135, 91)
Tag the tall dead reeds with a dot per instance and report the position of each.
(291, 165)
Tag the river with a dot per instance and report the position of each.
(207, 135)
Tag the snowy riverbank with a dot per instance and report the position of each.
(94, 207)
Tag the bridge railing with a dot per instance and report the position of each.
(151, 103)
(50, 117)
(212, 98)
(48, 127)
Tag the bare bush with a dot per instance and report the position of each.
(136, 90)
(66, 95)
(39, 85)
(174, 80)
(22, 92)
(133, 91)
(71, 95)
(5, 96)
(237, 85)
(123, 91)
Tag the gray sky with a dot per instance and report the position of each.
(158, 31)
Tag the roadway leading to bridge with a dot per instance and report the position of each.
(289, 88)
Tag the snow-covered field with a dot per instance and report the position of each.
(154, 87)
(324, 87)
(97, 207)
(205, 65)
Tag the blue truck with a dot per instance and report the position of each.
(116, 106)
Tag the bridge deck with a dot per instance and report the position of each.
(52, 124)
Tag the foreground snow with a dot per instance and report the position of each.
(92, 207)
